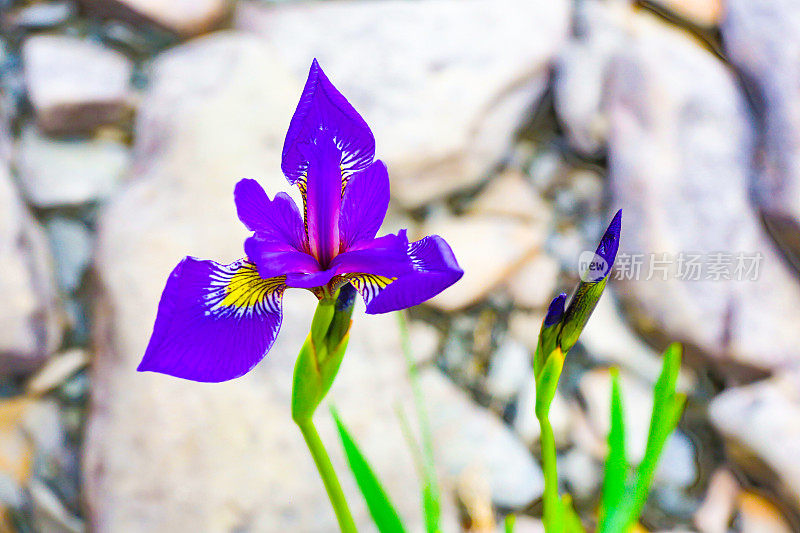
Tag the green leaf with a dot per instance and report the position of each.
(667, 409)
(572, 521)
(380, 507)
(616, 469)
(431, 494)
(508, 523)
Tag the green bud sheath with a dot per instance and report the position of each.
(321, 355)
(578, 312)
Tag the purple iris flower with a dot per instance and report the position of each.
(215, 322)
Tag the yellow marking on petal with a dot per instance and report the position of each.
(247, 288)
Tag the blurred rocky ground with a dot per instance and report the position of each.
(512, 128)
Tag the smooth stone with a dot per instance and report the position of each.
(56, 371)
(155, 445)
(74, 84)
(43, 15)
(714, 514)
(469, 436)
(762, 420)
(72, 248)
(677, 466)
(58, 172)
(49, 514)
(444, 105)
(703, 13)
(761, 38)
(758, 515)
(581, 472)
(509, 194)
(184, 18)
(425, 340)
(535, 284)
(488, 249)
(31, 324)
(509, 370)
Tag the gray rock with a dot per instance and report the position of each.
(509, 370)
(57, 172)
(49, 514)
(43, 15)
(30, 321)
(680, 154)
(704, 13)
(761, 37)
(186, 19)
(71, 243)
(488, 249)
(434, 80)
(468, 436)
(763, 420)
(75, 85)
(582, 473)
(156, 445)
(534, 285)
(56, 371)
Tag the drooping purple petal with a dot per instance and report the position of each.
(609, 244)
(323, 200)
(364, 205)
(276, 258)
(278, 220)
(388, 284)
(323, 108)
(215, 322)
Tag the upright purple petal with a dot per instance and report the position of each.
(215, 322)
(395, 274)
(278, 219)
(609, 244)
(323, 108)
(364, 205)
(323, 200)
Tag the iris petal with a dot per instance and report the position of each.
(323, 108)
(215, 322)
(277, 220)
(394, 274)
(323, 200)
(276, 258)
(364, 205)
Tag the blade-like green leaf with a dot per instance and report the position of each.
(431, 494)
(616, 469)
(572, 521)
(380, 507)
(508, 523)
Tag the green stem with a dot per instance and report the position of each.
(328, 475)
(553, 522)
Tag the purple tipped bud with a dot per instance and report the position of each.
(555, 311)
(609, 244)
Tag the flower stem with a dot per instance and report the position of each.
(553, 520)
(328, 475)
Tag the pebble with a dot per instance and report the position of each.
(75, 85)
(488, 249)
(69, 172)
